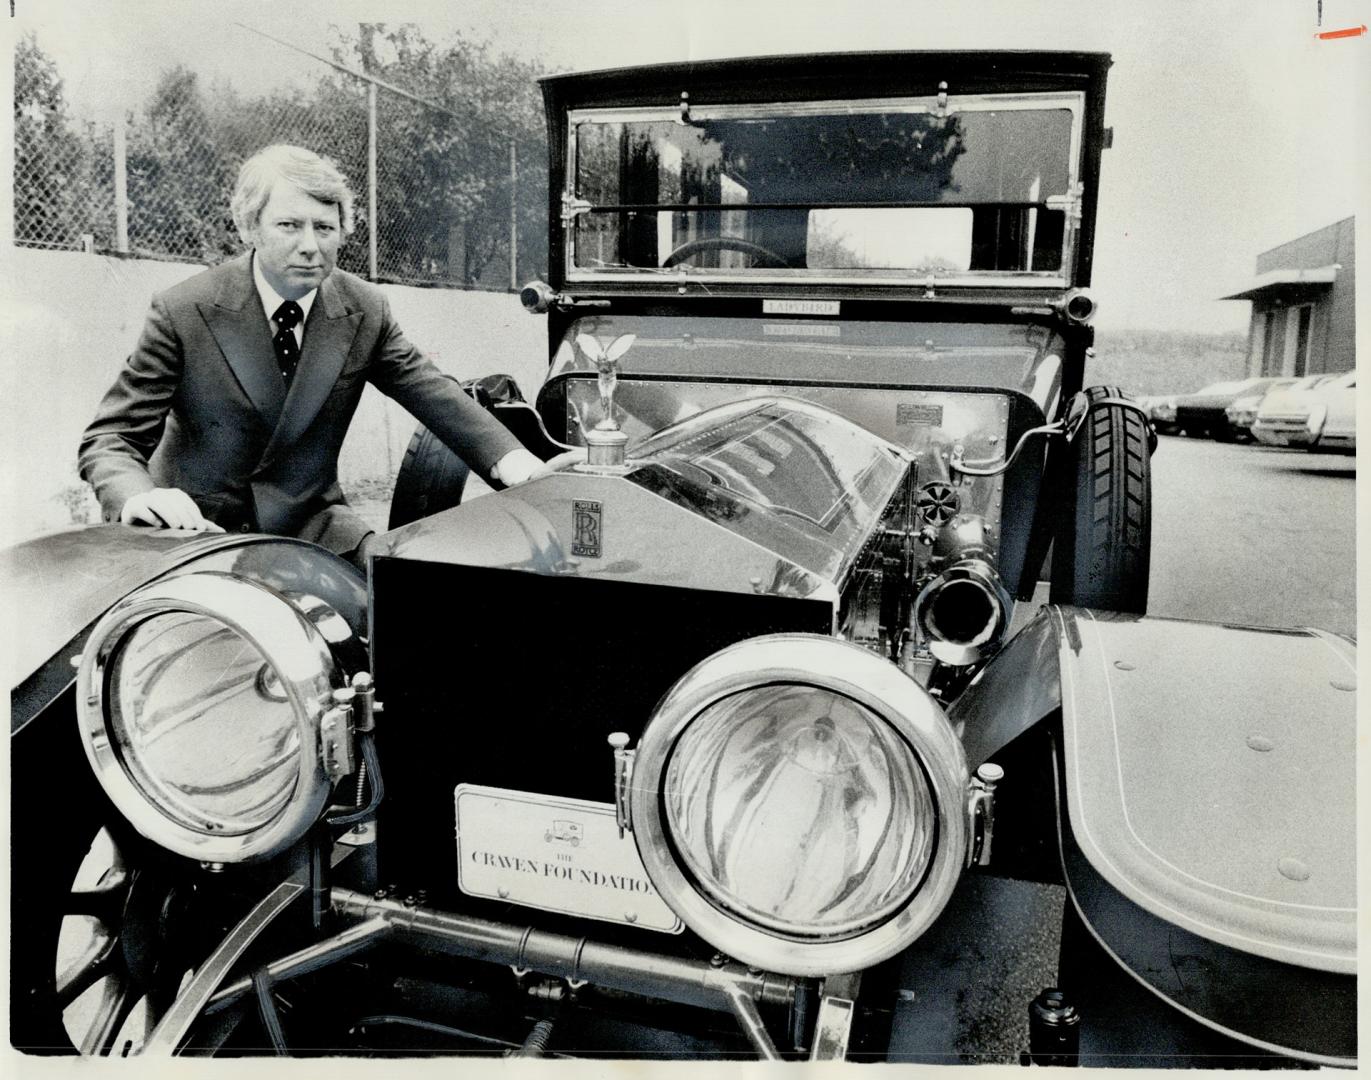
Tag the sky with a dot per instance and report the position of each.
(1235, 129)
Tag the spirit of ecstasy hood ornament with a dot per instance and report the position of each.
(605, 442)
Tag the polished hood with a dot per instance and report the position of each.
(769, 495)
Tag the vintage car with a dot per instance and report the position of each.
(1317, 413)
(706, 747)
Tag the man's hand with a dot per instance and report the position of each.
(564, 460)
(519, 465)
(171, 507)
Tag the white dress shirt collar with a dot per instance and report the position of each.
(271, 299)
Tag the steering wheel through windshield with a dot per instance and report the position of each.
(760, 256)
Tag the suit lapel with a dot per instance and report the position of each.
(236, 320)
(329, 331)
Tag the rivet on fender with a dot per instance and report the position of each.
(1293, 869)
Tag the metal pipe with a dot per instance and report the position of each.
(318, 878)
(371, 180)
(266, 1009)
(670, 978)
(121, 184)
(750, 1020)
(390, 87)
(963, 612)
(513, 219)
(728, 987)
(351, 941)
(959, 464)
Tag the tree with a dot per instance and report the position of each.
(178, 178)
(444, 190)
(53, 187)
(444, 177)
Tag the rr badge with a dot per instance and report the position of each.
(585, 520)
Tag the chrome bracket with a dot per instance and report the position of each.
(1070, 204)
(623, 779)
(336, 740)
(572, 208)
(833, 1027)
(364, 704)
(354, 712)
(980, 810)
(941, 103)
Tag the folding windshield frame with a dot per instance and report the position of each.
(1073, 101)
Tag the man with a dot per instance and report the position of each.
(232, 408)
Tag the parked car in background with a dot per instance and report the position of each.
(1161, 410)
(1319, 416)
(1203, 414)
(1243, 412)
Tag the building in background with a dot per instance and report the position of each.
(1303, 305)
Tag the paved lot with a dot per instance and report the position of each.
(1253, 534)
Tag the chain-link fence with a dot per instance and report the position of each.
(459, 195)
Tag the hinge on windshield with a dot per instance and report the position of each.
(572, 208)
(940, 103)
(1070, 204)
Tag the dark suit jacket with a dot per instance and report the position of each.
(201, 405)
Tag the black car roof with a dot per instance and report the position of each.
(802, 77)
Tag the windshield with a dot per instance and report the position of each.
(837, 189)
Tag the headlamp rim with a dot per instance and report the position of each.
(283, 636)
(837, 666)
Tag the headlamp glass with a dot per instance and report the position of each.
(799, 810)
(203, 724)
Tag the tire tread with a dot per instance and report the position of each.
(1103, 549)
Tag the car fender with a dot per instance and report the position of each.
(1206, 805)
(62, 583)
(1208, 768)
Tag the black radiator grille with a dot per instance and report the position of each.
(514, 680)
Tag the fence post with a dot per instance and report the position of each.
(121, 185)
(371, 179)
(513, 220)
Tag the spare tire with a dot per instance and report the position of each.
(1102, 542)
(432, 478)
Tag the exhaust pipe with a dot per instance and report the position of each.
(964, 610)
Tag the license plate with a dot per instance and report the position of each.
(555, 854)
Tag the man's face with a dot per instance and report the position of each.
(297, 240)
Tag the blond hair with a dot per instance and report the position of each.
(310, 172)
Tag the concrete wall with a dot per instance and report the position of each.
(68, 320)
